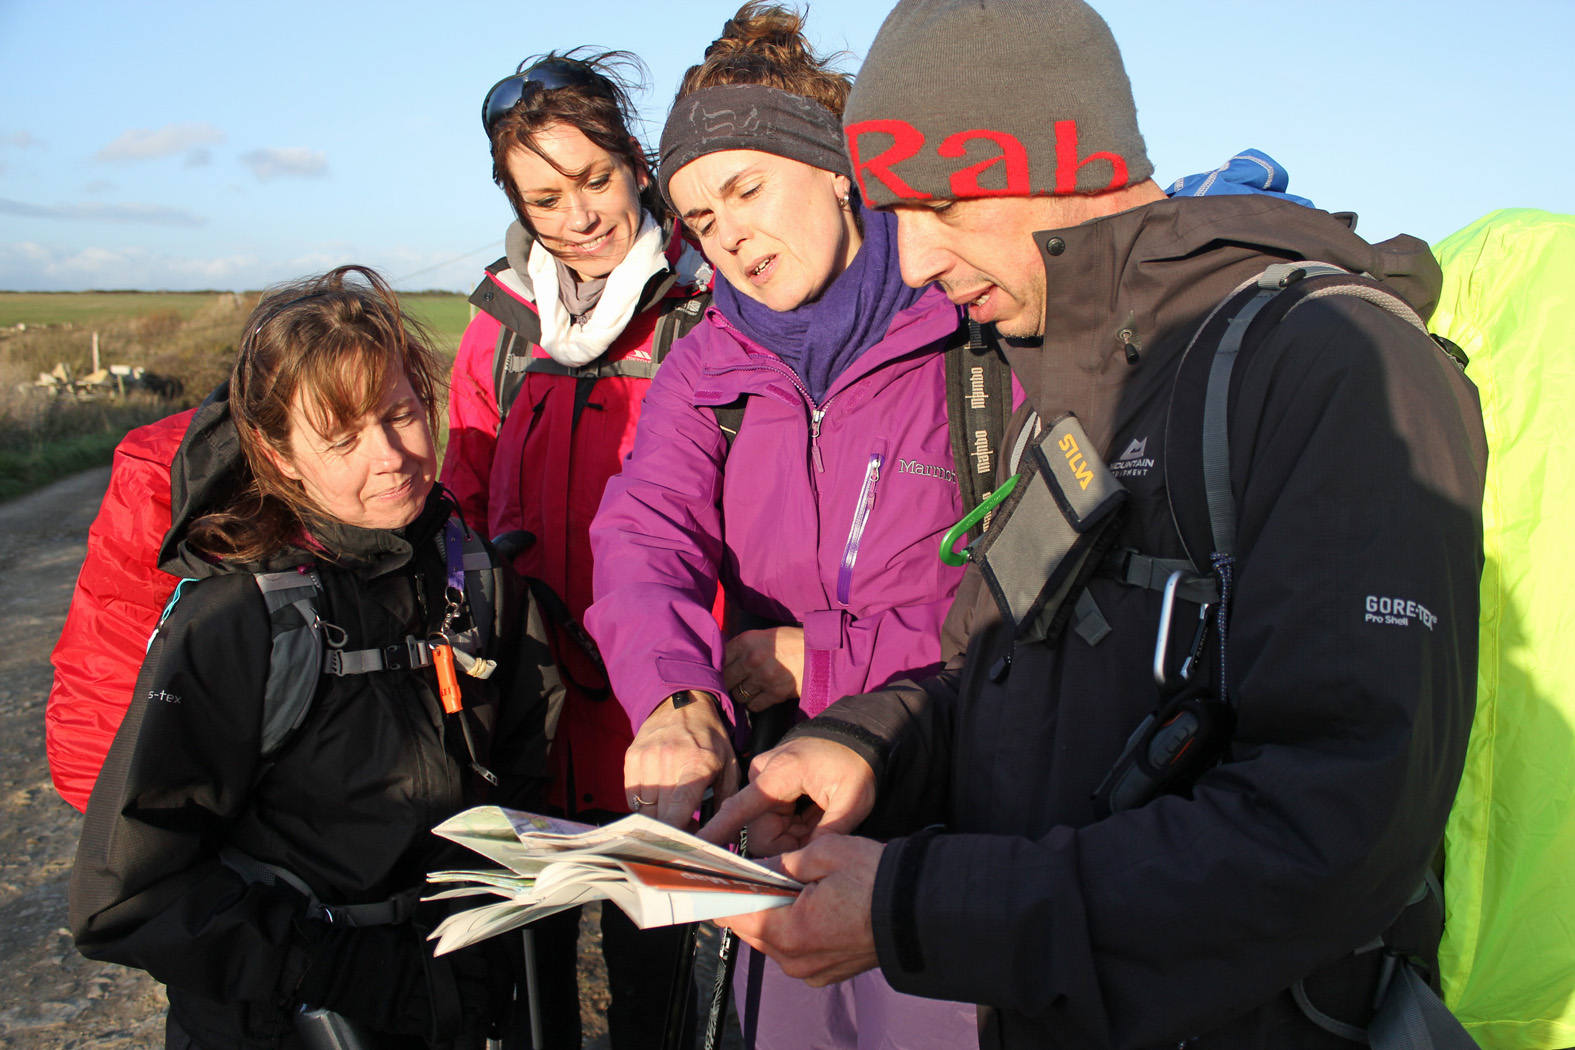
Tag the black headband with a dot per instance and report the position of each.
(754, 117)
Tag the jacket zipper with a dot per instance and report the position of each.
(861, 517)
(815, 414)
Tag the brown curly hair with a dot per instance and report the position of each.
(765, 44)
(337, 342)
(603, 112)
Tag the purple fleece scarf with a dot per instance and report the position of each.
(820, 339)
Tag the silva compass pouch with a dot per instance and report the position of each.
(1051, 531)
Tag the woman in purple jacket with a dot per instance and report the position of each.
(825, 514)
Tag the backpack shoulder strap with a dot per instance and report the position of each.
(519, 328)
(508, 369)
(730, 417)
(296, 659)
(1197, 427)
(676, 320)
(482, 586)
(978, 406)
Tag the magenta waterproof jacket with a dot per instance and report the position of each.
(826, 516)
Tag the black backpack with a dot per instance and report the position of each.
(1170, 748)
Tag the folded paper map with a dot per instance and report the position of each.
(658, 875)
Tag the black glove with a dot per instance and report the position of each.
(387, 978)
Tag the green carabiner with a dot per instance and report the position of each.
(949, 553)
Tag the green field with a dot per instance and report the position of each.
(186, 337)
(445, 313)
(41, 308)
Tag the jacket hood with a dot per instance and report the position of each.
(209, 468)
(516, 249)
(1145, 279)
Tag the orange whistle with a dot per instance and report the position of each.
(448, 681)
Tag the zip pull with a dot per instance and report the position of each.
(815, 416)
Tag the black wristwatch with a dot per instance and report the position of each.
(686, 697)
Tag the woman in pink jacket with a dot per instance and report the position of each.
(822, 518)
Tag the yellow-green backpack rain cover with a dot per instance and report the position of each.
(1508, 954)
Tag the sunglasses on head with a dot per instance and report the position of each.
(543, 76)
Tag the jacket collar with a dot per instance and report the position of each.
(731, 358)
(1145, 279)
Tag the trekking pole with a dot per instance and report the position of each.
(722, 987)
(681, 997)
(532, 987)
(765, 729)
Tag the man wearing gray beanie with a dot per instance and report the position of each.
(1183, 779)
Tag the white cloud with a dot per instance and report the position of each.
(144, 144)
(29, 266)
(20, 140)
(99, 186)
(198, 158)
(297, 161)
(98, 211)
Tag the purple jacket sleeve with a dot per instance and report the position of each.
(657, 544)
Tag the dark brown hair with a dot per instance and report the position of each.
(764, 44)
(337, 342)
(603, 113)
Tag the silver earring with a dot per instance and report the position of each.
(844, 201)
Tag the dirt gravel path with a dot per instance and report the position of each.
(50, 997)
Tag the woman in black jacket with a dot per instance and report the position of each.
(260, 832)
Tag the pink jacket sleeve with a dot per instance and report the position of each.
(846, 655)
(472, 420)
(657, 544)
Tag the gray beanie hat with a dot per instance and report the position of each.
(992, 98)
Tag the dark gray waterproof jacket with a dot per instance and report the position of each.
(346, 806)
(1358, 457)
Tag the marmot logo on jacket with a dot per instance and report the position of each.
(929, 470)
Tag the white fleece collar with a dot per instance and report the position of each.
(574, 345)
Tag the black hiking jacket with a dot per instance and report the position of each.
(346, 806)
(1358, 460)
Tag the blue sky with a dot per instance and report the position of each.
(206, 145)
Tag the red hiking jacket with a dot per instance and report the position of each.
(543, 470)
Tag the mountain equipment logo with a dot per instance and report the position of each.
(1133, 463)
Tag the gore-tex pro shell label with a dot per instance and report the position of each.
(1398, 612)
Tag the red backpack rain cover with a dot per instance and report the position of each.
(118, 598)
